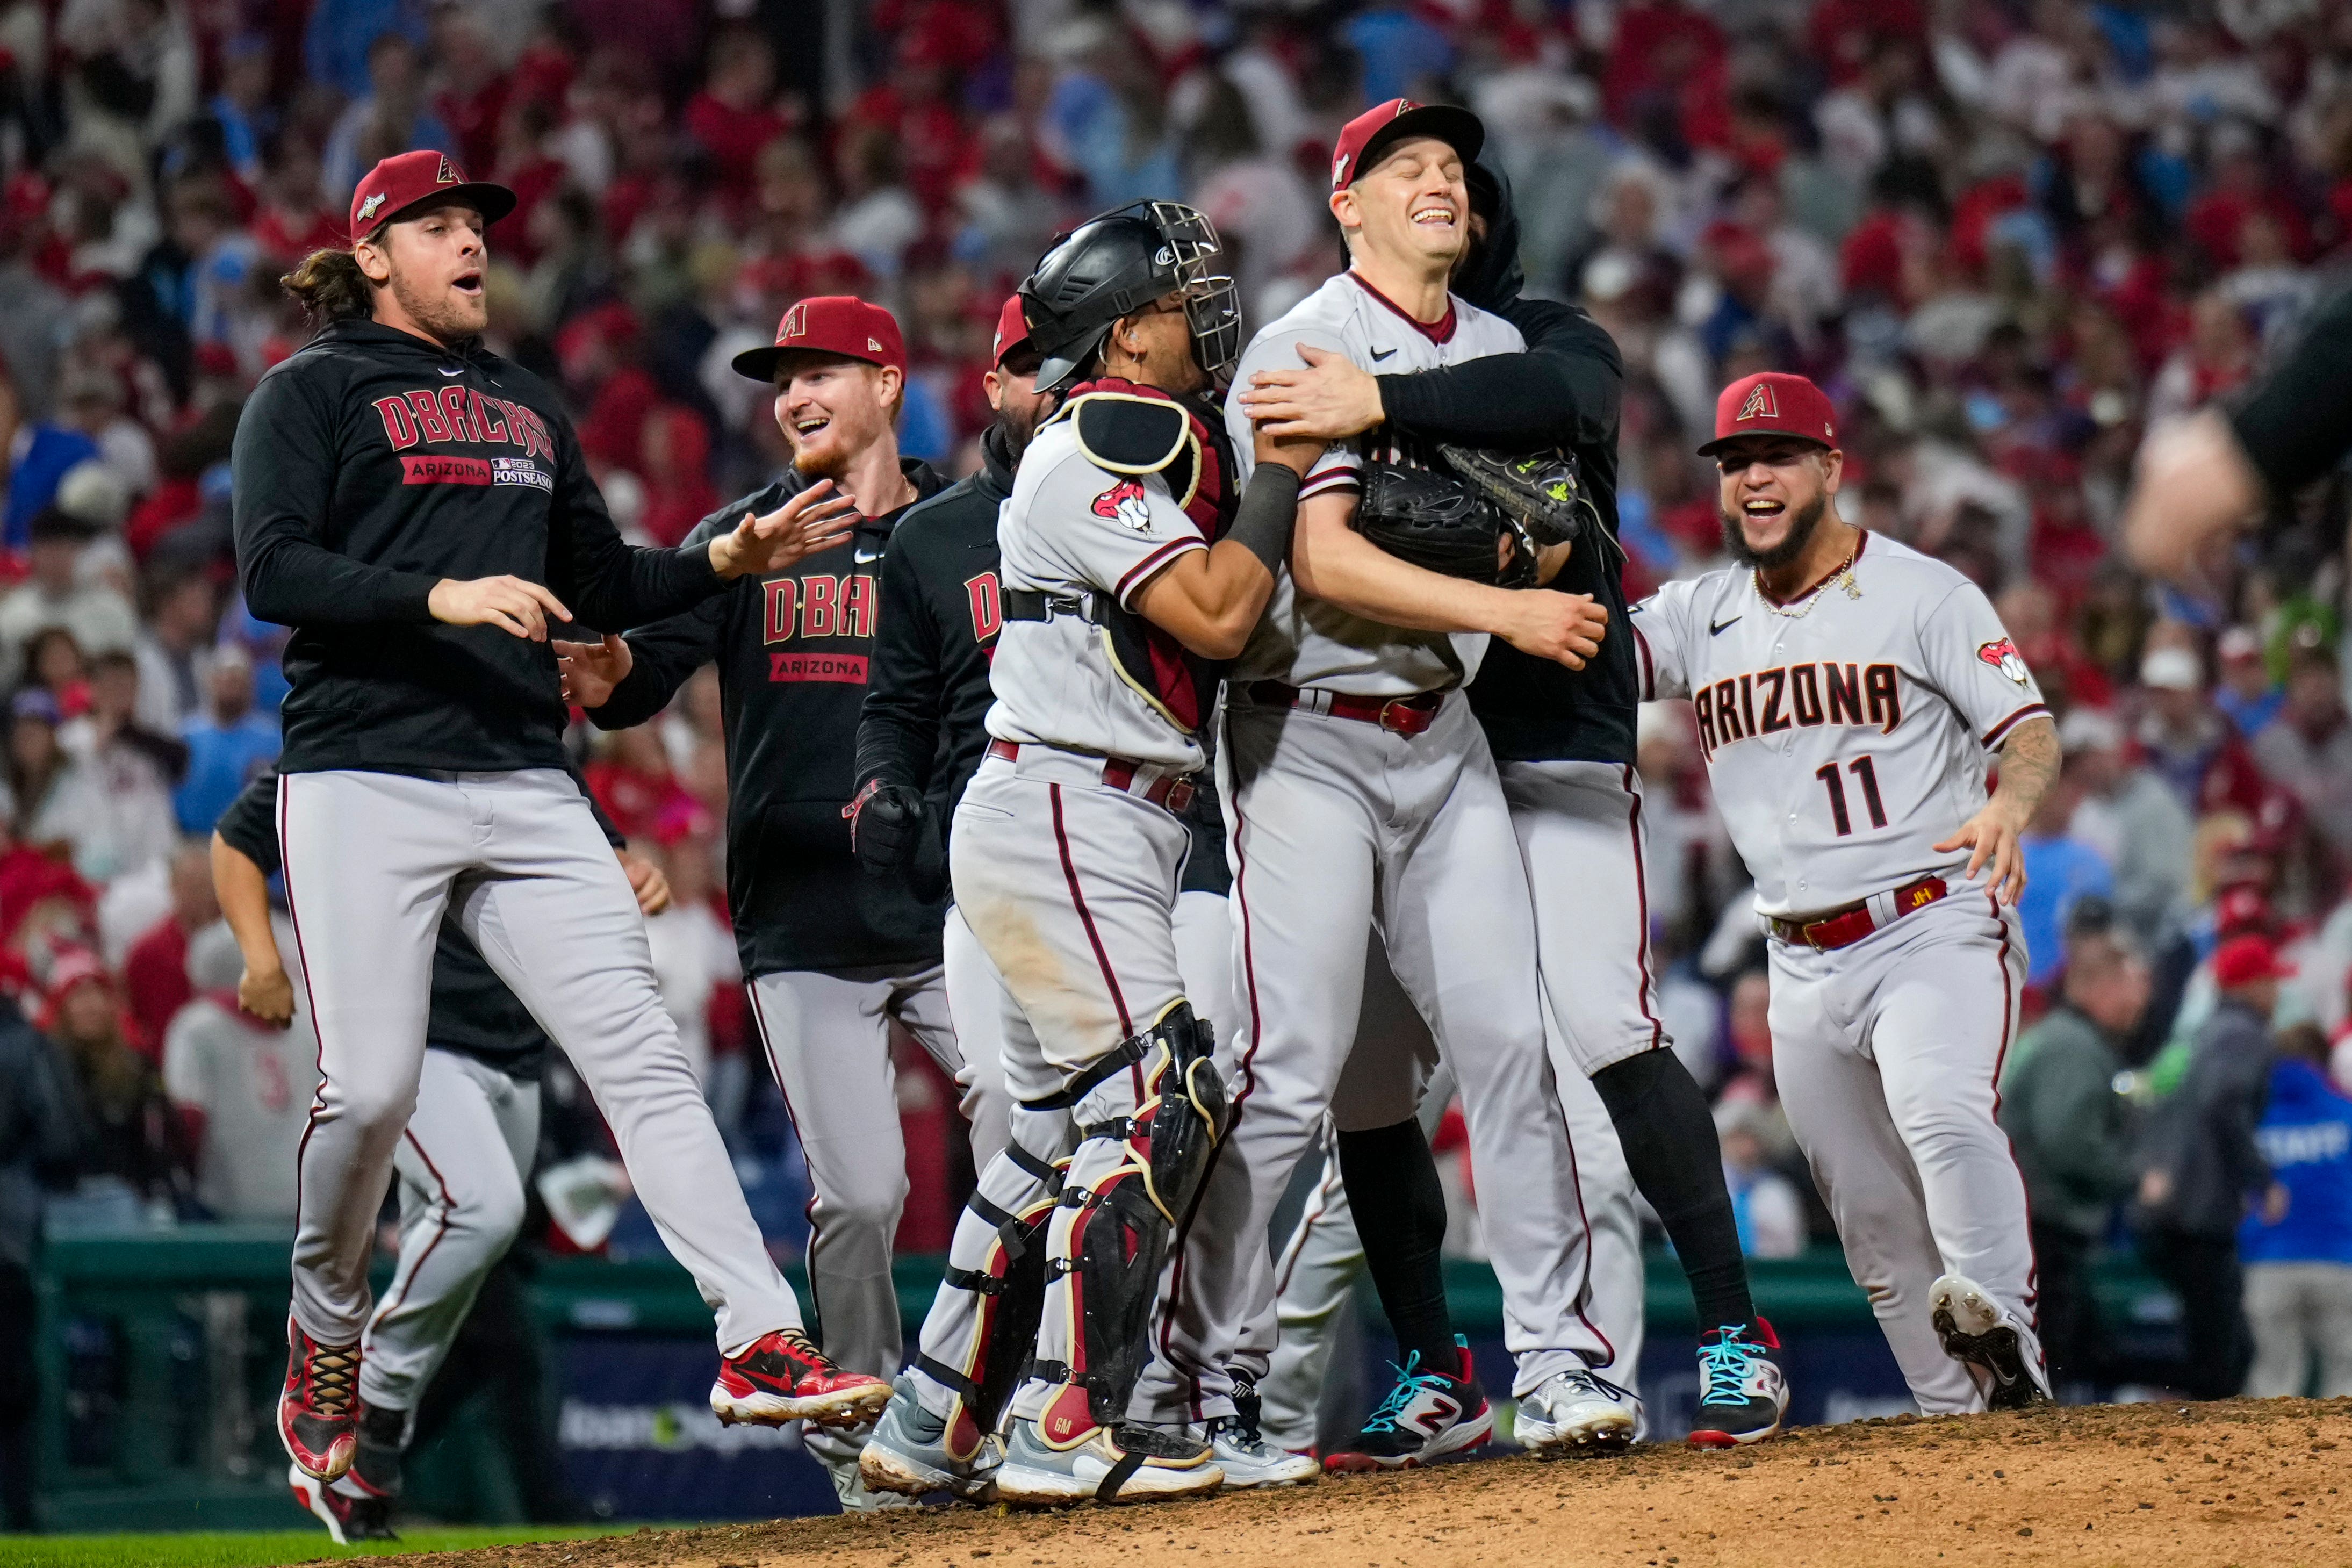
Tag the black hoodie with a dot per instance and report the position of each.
(370, 466)
(792, 652)
(1564, 391)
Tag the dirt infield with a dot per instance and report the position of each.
(2245, 1482)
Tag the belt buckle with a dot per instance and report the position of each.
(1180, 797)
(1811, 941)
(1391, 719)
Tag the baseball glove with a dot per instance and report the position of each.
(1440, 523)
(1543, 493)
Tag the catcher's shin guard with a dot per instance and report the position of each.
(1149, 1115)
(998, 1256)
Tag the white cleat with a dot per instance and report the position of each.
(1250, 1462)
(2001, 1351)
(1136, 1464)
(1576, 1413)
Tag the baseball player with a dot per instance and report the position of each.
(463, 1161)
(1848, 692)
(418, 509)
(1127, 567)
(1358, 787)
(1564, 741)
(942, 608)
(832, 957)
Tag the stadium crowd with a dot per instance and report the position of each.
(2007, 235)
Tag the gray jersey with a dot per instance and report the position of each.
(1073, 528)
(1305, 642)
(1847, 731)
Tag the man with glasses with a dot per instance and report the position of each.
(1849, 692)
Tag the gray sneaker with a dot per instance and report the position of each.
(1133, 1464)
(908, 1454)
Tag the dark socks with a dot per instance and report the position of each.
(1392, 1185)
(1670, 1145)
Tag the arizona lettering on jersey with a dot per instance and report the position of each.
(1848, 731)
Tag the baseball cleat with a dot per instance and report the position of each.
(1577, 1412)
(1249, 1461)
(1133, 1464)
(1977, 1332)
(908, 1453)
(375, 1462)
(319, 1409)
(1425, 1415)
(349, 1520)
(1743, 1395)
(783, 1376)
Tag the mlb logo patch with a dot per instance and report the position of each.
(2003, 656)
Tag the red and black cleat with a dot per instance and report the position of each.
(319, 1411)
(783, 1376)
(349, 1519)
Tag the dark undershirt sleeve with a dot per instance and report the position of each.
(898, 728)
(249, 825)
(1564, 389)
(2298, 424)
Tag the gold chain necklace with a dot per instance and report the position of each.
(1798, 609)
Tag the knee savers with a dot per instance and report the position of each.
(1130, 1196)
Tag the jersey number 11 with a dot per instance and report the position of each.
(1864, 774)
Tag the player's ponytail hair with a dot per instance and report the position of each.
(331, 287)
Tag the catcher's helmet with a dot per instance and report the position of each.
(1114, 264)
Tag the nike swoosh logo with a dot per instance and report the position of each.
(863, 556)
(1714, 629)
(452, 370)
(1379, 354)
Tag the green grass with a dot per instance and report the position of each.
(252, 1549)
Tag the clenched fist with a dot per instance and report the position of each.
(886, 821)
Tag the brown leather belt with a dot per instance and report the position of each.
(1171, 792)
(1397, 715)
(1844, 928)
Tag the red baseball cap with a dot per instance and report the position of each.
(1011, 330)
(410, 179)
(1364, 139)
(840, 325)
(2242, 960)
(1772, 403)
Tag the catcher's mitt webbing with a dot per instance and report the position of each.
(1432, 520)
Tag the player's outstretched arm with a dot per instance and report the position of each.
(1210, 600)
(2029, 766)
(1333, 561)
(263, 990)
(2192, 486)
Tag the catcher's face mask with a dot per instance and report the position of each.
(1212, 307)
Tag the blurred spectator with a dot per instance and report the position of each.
(2247, 696)
(2189, 744)
(2135, 824)
(693, 946)
(241, 1089)
(175, 647)
(2072, 1134)
(40, 1140)
(55, 595)
(2062, 870)
(155, 971)
(133, 1144)
(2299, 1261)
(227, 743)
(1765, 1206)
(392, 116)
(2203, 1169)
(338, 44)
(2309, 749)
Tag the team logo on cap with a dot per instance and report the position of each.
(2003, 656)
(367, 207)
(1124, 503)
(795, 323)
(1759, 405)
(447, 174)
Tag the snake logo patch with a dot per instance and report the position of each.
(2003, 656)
(1124, 503)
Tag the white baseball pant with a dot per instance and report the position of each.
(1333, 822)
(1887, 1055)
(370, 861)
(462, 1164)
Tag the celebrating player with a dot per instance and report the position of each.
(1357, 779)
(1563, 739)
(942, 609)
(418, 509)
(1067, 854)
(1848, 692)
(463, 1161)
(832, 957)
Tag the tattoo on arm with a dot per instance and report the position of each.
(2029, 763)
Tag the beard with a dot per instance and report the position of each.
(1802, 523)
(1016, 427)
(450, 318)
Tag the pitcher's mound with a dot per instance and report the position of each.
(2247, 1482)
